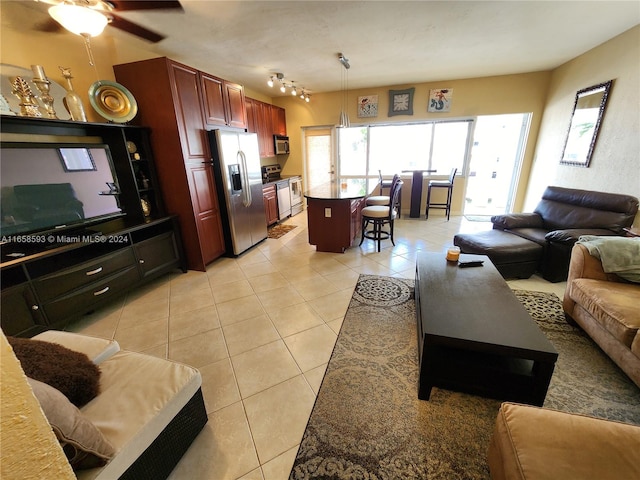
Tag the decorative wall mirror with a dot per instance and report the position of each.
(588, 110)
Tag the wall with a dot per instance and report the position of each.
(30, 450)
(471, 97)
(615, 164)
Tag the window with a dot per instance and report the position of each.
(438, 146)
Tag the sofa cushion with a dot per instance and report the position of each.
(517, 220)
(534, 234)
(569, 236)
(531, 443)
(83, 444)
(71, 372)
(614, 305)
(563, 208)
(140, 395)
(96, 348)
(500, 246)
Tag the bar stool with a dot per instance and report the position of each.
(385, 199)
(381, 215)
(448, 184)
(384, 183)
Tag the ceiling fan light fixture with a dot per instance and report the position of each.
(270, 81)
(79, 20)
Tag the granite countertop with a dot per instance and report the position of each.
(348, 189)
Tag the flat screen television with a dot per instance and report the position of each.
(46, 188)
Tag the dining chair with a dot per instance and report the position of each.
(379, 216)
(448, 184)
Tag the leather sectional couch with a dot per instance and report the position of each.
(523, 243)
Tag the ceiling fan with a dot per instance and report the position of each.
(108, 9)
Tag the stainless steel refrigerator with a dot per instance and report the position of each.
(236, 166)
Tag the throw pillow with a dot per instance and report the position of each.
(82, 442)
(70, 372)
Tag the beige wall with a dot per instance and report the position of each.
(615, 164)
(30, 450)
(471, 97)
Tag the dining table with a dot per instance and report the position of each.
(416, 190)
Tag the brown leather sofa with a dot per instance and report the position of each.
(605, 306)
(521, 244)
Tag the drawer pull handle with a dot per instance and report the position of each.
(100, 292)
(93, 272)
(35, 308)
(141, 262)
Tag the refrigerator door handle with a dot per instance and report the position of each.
(246, 187)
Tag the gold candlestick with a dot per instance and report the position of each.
(44, 86)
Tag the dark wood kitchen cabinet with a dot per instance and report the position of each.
(172, 101)
(224, 102)
(266, 120)
(279, 120)
(270, 203)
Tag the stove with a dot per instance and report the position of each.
(289, 190)
(271, 173)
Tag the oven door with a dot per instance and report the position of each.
(295, 185)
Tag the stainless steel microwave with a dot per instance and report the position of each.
(281, 144)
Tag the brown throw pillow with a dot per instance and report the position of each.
(82, 442)
(72, 373)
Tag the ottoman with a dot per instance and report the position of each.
(513, 256)
(532, 443)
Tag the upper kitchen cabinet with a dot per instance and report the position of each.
(172, 102)
(279, 121)
(266, 120)
(224, 102)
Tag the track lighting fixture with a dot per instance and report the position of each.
(279, 77)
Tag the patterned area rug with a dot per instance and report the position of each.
(279, 230)
(368, 423)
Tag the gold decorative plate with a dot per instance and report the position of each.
(112, 101)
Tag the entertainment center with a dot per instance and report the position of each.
(82, 220)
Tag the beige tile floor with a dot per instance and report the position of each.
(261, 329)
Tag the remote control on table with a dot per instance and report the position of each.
(472, 263)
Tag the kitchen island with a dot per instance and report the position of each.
(334, 214)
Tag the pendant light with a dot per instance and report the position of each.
(344, 87)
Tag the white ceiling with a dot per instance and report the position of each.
(387, 42)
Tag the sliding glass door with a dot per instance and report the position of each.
(496, 160)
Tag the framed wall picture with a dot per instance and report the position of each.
(440, 100)
(401, 102)
(368, 106)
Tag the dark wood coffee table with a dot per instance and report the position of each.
(475, 336)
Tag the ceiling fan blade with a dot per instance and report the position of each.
(124, 5)
(135, 29)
